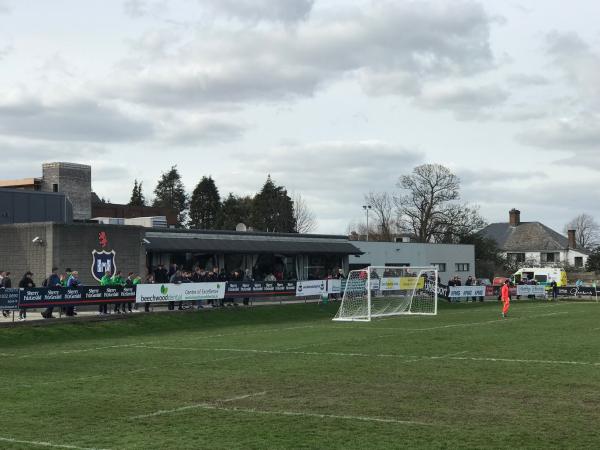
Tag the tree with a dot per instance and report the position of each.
(429, 210)
(305, 218)
(205, 205)
(273, 209)
(593, 262)
(382, 208)
(170, 193)
(137, 196)
(488, 259)
(234, 210)
(587, 231)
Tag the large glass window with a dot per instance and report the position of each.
(321, 266)
(274, 267)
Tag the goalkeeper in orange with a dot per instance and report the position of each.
(505, 296)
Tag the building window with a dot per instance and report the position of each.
(516, 257)
(578, 261)
(550, 257)
(462, 267)
(441, 267)
(55, 187)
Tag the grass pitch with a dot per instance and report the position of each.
(288, 377)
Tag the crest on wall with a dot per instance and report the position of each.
(102, 262)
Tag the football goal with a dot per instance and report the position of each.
(388, 291)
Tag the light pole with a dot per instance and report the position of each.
(367, 208)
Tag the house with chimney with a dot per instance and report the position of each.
(534, 244)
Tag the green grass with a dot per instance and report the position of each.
(462, 379)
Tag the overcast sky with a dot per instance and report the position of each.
(333, 98)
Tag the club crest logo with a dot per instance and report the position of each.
(102, 262)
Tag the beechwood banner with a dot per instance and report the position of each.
(168, 292)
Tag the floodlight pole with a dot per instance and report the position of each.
(367, 208)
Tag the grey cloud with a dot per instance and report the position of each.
(262, 10)
(527, 80)
(203, 130)
(402, 44)
(137, 9)
(466, 101)
(4, 7)
(78, 120)
(579, 133)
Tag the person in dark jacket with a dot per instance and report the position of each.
(5, 282)
(26, 282)
(53, 281)
(72, 282)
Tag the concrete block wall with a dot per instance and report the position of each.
(18, 254)
(73, 246)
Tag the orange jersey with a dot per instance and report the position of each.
(505, 293)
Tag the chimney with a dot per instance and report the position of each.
(572, 240)
(514, 216)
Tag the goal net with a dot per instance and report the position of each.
(388, 291)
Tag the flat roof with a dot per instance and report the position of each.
(20, 182)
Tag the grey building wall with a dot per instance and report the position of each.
(18, 253)
(23, 206)
(415, 254)
(68, 245)
(75, 180)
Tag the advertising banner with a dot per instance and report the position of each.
(467, 291)
(258, 288)
(577, 291)
(168, 292)
(9, 299)
(402, 283)
(81, 295)
(334, 286)
(526, 289)
(310, 288)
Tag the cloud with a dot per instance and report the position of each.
(4, 7)
(136, 9)
(527, 80)
(285, 11)
(69, 120)
(578, 133)
(465, 100)
(393, 45)
(201, 130)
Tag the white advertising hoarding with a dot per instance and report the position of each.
(168, 292)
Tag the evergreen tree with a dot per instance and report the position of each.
(234, 210)
(137, 196)
(205, 205)
(273, 209)
(170, 193)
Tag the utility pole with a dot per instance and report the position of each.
(367, 208)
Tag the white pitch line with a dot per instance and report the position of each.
(46, 444)
(381, 355)
(203, 405)
(312, 415)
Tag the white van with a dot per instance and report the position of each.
(543, 275)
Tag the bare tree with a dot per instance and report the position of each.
(458, 222)
(358, 232)
(305, 218)
(382, 206)
(587, 231)
(423, 209)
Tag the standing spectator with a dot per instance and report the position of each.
(247, 279)
(149, 280)
(161, 275)
(176, 278)
(53, 281)
(106, 280)
(554, 288)
(117, 280)
(470, 282)
(172, 270)
(6, 283)
(26, 282)
(129, 283)
(72, 282)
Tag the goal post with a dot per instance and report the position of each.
(377, 291)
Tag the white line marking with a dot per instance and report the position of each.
(315, 415)
(45, 444)
(381, 355)
(196, 406)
